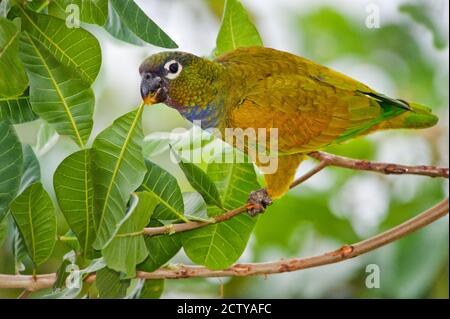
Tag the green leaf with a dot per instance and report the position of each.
(11, 168)
(35, 217)
(5, 6)
(73, 47)
(117, 29)
(118, 170)
(219, 245)
(195, 206)
(3, 231)
(19, 249)
(17, 109)
(61, 99)
(165, 187)
(74, 191)
(141, 25)
(160, 248)
(31, 168)
(110, 285)
(148, 289)
(16, 82)
(127, 247)
(91, 11)
(236, 30)
(200, 182)
(46, 138)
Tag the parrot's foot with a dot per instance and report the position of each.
(258, 201)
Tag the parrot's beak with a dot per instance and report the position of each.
(152, 91)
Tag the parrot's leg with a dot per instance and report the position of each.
(278, 183)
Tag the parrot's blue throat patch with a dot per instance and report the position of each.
(209, 115)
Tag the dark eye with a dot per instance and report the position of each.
(173, 68)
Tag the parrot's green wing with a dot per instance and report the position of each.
(311, 105)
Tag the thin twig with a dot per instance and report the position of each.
(383, 168)
(325, 159)
(265, 268)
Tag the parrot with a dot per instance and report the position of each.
(310, 105)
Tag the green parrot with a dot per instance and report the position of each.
(310, 105)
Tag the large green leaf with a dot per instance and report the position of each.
(56, 93)
(3, 231)
(73, 47)
(13, 80)
(201, 182)
(74, 190)
(160, 248)
(236, 30)
(110, 285)
(31, 168)
(117, 29)
(141, 25)
(127, 247)
(91, 11)
(165, 187)
(11, 165)
(17, 109)
(35, 217)
(118, 169)
(219, 245)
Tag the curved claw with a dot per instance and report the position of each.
(258, 201)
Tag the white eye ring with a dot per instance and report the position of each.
(171, 75)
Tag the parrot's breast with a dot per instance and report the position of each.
(206, 117)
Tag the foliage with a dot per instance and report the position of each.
(109, 186)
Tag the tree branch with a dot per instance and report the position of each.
(383, 168)
(251, 269)
(325, 159)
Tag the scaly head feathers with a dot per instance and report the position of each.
(178, 79)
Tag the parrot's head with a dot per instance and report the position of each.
(177, 79)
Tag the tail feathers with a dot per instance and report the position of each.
(417, 117)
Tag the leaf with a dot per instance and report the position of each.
(195, 206)
(160, 248)
(55, 94)
(73, 47)
(141, 25)
(11, 168)
(200, 182)
(17, 109)
(31, 168)
(3, 231)
(19, 249)
(236, 30)
(148, 289)
(165, 187)
(219, 245)
(46, 138)
(74, 191)
(5, 6)
(127, 248)
(91, 11)
(118, 170)
(34, 215)
(16, 82)
(109, 284)
(117, 29)
(76, 280)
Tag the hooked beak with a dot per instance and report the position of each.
(152, 90)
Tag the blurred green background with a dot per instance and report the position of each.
(406, 57)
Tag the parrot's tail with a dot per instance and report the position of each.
(418, 116)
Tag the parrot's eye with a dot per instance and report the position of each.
(173, 69)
